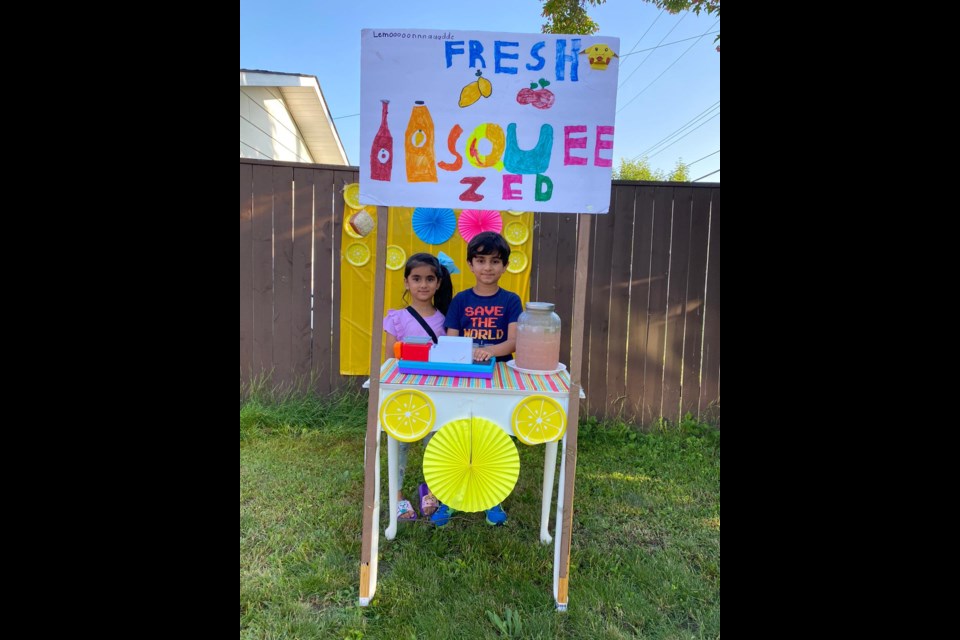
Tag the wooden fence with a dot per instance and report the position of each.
(652, 322)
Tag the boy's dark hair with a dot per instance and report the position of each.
(443, 296)
(488, 243)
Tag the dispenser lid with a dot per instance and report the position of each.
(541, 306)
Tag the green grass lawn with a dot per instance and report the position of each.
(645, 558)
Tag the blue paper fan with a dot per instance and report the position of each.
(434, 226)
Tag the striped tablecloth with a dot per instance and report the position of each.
(504, 379)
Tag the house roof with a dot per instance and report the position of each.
(307, 106)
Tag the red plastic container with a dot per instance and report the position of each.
(416, 352)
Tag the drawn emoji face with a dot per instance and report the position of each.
(599, 56)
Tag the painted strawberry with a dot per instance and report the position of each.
(540, 98)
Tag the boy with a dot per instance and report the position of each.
(489, 315)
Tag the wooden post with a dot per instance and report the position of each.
(573, 411)
(371, 457)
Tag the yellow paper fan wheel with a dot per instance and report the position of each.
(516, 232)
(518, 261)
(538, 419)
(471, 464)
(408, 415)
(351, 195)
(357, 254)
(396, 257)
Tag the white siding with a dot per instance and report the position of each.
(266, 129)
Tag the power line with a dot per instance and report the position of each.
(706, 176)
(688, 123)
(690, 164)
(685, 135)
(651, 53)
(644, 35)
(352, 115)
(665, 70)
(670, 43)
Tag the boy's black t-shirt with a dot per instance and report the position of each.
(484, 318)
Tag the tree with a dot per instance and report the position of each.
(640, 170)
(570, 16)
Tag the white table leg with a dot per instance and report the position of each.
(549, 468)
(393, 483)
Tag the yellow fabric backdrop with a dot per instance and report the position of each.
(356, 282)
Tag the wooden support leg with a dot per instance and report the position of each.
(370, 530)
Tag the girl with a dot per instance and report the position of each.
(427, 284)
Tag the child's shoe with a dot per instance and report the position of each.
(496, 515)
(442, 515)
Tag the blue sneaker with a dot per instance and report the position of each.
(442, 515)
(496, 516)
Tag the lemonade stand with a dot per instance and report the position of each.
(532, 132)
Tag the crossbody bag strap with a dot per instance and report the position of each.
(423, 323)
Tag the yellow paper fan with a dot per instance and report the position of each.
(471, 464)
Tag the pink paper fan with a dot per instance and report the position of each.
(474, 221)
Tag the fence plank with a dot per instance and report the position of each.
(622, 212)
(693, 320)
(710, 367)
(656, 313)
(282, 275)
(599, 306)
(676, 299)
(302, 337)
(324, 282)
(246, 271)
(637, 360)
(263, 269)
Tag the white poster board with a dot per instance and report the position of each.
(481, 120)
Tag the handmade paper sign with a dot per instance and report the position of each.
(487, 121)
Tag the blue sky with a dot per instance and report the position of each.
(668, 101)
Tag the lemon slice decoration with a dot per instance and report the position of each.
(538, 419)
(357, 254)
(518, 261)
(516, 232)
(351, 195)
(408, 416)
(396, 257)
(515, 213)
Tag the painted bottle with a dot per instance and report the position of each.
(381, 154)
(418, 145)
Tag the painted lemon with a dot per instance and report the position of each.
(538, 419)
(357, 254)
(518, 261)
(351, 195)
(396, 257)
(516, 232)
(484, 85)
(408, 416)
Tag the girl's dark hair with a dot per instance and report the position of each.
(443, 296)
